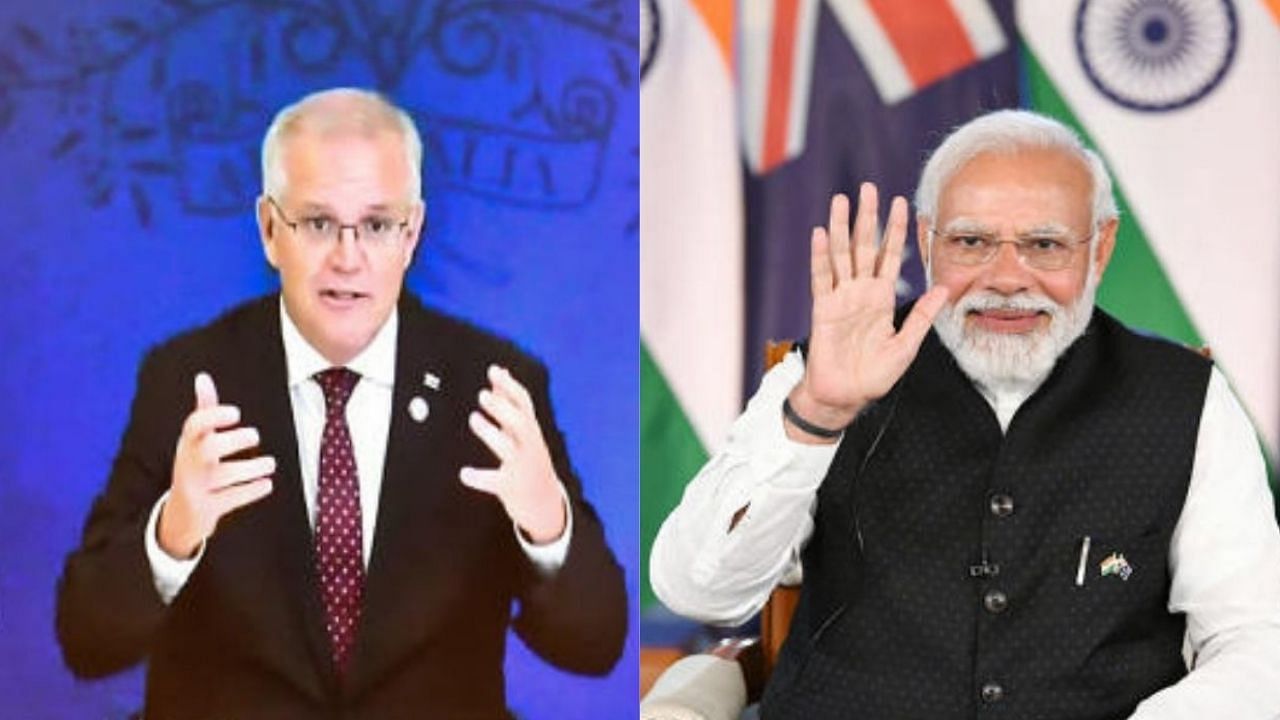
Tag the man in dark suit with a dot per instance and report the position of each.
(324, 535)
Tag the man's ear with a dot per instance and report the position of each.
(923, 227)
(1105, 246)
(417, 223)
(268, 229)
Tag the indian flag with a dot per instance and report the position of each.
(1182, 99)
(691, 250)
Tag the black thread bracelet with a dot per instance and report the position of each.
(790, 413)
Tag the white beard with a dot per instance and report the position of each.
(1013, 362)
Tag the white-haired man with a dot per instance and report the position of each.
(324, 534)
(1022, 514)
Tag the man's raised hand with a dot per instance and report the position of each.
(204, 486)
(525, 480)
(855, 354)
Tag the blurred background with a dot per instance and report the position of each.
(129, 135)
(753, 113)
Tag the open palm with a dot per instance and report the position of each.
(855, 353)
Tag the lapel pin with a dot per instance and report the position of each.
(1115, 564)
(431, 380)
(419, 409)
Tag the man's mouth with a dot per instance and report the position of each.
(342, 297)
(1007, 320)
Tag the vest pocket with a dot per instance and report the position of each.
(1118, 601)
(1119, 564)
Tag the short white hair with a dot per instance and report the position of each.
(337, 111)
(1007, 132)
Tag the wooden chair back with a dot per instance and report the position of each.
(775, 617)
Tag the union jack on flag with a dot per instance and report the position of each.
(904, 46)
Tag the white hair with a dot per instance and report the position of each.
(1007, 132)
(337, 111)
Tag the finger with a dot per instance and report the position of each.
(820, 263)
(206, 391)
(506, 385)
(205, 420)
(895, 237)
(239, 471)
(234, 497)
(865, 230)
(486, 481)
(918, 322)
(215, 446)
(838, 233)
(509, 417)
(493, 438)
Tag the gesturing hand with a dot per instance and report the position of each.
(204, 487)
(855, 354)
(525, 480)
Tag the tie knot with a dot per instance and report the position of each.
(337, 384)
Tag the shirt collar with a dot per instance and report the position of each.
(377, 362)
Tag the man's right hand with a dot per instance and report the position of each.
(204, 487)
(855, 355)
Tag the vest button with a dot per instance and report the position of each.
(992, 692)
(1001, 505)
(995, 602)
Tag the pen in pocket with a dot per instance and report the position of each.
(1084, 559)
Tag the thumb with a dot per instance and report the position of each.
(918, 322)
(486, 481)
(206, 393)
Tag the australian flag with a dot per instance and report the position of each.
(837, 92)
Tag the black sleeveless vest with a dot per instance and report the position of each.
(956, 571)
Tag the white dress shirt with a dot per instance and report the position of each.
(368, 414)
(1224, 555)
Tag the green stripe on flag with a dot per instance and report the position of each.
(670, 454)
(1135, 288)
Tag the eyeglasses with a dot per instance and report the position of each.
(1038, 251)
(375, 231)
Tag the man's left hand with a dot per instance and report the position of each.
(525, 480)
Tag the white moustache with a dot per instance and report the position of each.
(987, 301)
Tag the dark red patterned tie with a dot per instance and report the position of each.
(339, 560)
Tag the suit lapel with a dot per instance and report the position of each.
(415, 511)
(294, 597)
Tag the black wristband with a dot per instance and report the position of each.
(790, 413)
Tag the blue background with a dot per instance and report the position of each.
(129, 137)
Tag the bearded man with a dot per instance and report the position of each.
(1029, 511)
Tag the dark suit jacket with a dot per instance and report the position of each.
(244, 638)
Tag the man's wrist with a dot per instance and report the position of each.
(809, 421)
(548, 533)
(815, 430)
(550, 557)
(168, 573)
(177, 548)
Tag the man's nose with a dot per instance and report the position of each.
(1007, 273)
(346, 252)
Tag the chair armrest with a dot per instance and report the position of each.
(705, 686)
